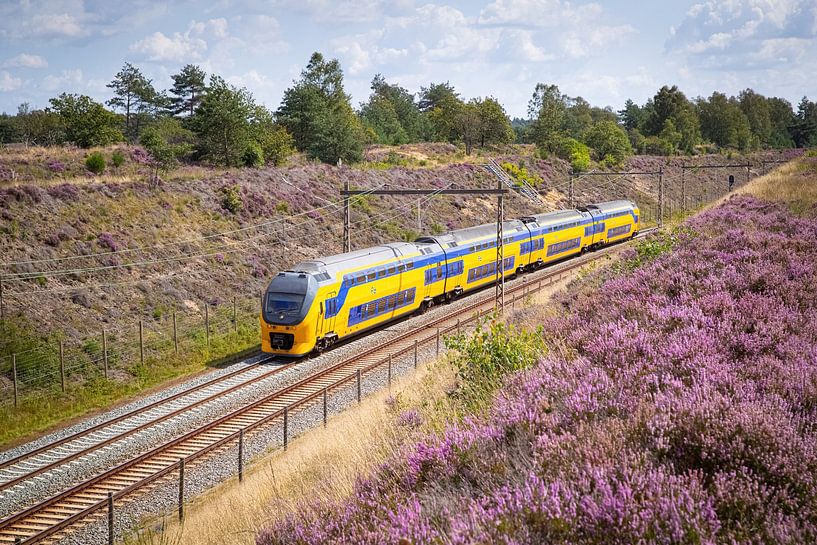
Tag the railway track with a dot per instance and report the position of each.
(52, 519)
(18, 471)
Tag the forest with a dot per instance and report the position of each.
(204, 119)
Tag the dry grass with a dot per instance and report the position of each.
(794, 184)
(323, 464)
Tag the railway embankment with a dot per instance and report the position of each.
(675, 403)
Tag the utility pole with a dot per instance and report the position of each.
(500, 252)
(419, 221)
(347, 227)
(2, 302)
(683, 190)
(570, 193)
(661, 197)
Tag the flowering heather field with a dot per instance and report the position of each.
(684, 413)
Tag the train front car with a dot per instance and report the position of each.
(287, 325)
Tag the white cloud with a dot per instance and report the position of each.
(24, 60)
(68, 80)
(59, 24)
(189, 45)
(9, 82)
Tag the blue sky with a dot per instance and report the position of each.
(605, 51)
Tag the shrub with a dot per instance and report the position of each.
(95, 163)
(253, 155)
(231, 198)
(277, 145)
(609, 141)
(521, 174)
(117, 158)
(55, 166)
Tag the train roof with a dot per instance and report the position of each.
(354, 260)
(551, 218)
(473, 233)
(613, 206)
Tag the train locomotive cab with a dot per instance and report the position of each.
(287, 325)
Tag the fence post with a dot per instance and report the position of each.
(181, 489)
(438, 341)
(415, 353)
(324, 407)
(235, 316)
(748, 171)
(207, 324)
(358, 385)
(62, 366)
(141, 342)
(14, 376)
(661, 197)
(105, 352)
(458, 326)
(389, 373)
(175, 334)
(286, 425)
(241, 455)
(2, 302)
(110, 518)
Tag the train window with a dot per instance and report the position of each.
(391, 270)
(381, 306)
(410, 265)
(392, 302)
(401, 297)
(401, 268)
(361, 278)
(371, 276)
(371, 308)
(381, 272)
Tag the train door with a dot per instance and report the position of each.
(326, 322)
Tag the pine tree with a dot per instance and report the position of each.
(188, 90)
(131, 91)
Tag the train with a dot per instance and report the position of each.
(307, 309)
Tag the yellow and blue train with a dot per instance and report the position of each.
(315, 304)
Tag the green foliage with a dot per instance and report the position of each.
(135, 96)
(118, 158)
(231, 198)
(547, 108)
(392, 114)
(166, 142)
(253, 155)
(651, 248)
(222, 123)
(37, 127)
(486, 358)
(95, 163)
(520, 173)
(87, 123)
(723, 122)
(442, 105)
(670, 136)
(655, 145)
(318, 114)
(609, 141)
(570, 149)
(188, 90)
(275, 142)
(437, 228)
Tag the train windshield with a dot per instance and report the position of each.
(282, 307)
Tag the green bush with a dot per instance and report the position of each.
(117, 158)
(253, 155)
(231, 198)
(483, 360)
(95, 163)
(521, 174)
(658, 146)
(609, 141)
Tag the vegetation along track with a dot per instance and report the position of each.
(18, 470)
(52, 519)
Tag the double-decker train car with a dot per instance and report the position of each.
(315, 304)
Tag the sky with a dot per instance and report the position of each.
(604, 51)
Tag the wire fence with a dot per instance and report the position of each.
(215, 331)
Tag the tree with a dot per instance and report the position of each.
(317, 113)
(804, 131)
(188, 90)
(666, 104)
(578, 117)
(632, 116)
(782, 120)
(442, 105)
(392, 111)
(756, 109)
(132, 92)
(38, 127)
(723, 122)
(670, 137)
(87, 123)
(166, 141)
(222, 122)
(469, 124)
(609, 141)
(547, 108)
(275, 142)
(495, 127)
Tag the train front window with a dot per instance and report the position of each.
(283, 305)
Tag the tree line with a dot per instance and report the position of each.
(206, 119)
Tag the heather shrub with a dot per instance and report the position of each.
(95, 163)
(679, 408)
